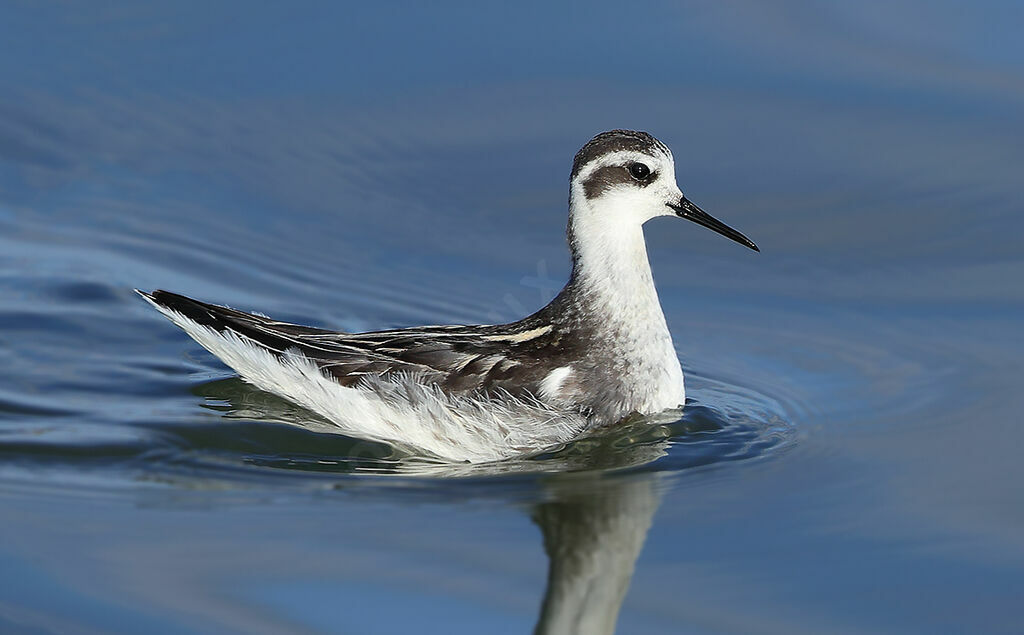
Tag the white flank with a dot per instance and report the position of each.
(402, 412)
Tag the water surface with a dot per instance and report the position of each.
(849, 459)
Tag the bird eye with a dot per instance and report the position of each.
(639, 171)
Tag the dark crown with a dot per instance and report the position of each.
(615, 141)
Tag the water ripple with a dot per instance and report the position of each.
(247, 446)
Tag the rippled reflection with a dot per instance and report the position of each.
(593, 531)
(593, 523)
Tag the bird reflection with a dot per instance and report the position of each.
(594, 519)
(593, 531)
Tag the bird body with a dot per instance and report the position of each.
(600, 351)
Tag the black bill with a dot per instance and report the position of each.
(685, 209)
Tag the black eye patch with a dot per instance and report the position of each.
(603, 179)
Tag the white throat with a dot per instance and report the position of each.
(610, 259)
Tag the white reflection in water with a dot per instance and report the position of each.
(592, 536)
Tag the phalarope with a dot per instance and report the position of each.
(600, 351)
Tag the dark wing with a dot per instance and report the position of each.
(512, 358)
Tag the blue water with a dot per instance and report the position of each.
(849, 460)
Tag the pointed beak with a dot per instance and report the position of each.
(685, 209)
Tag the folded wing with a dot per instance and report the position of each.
(458, 358)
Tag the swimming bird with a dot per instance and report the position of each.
(598, 353)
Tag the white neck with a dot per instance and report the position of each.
(610, 263)
(613, 280)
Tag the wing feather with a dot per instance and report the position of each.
(460, 358)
